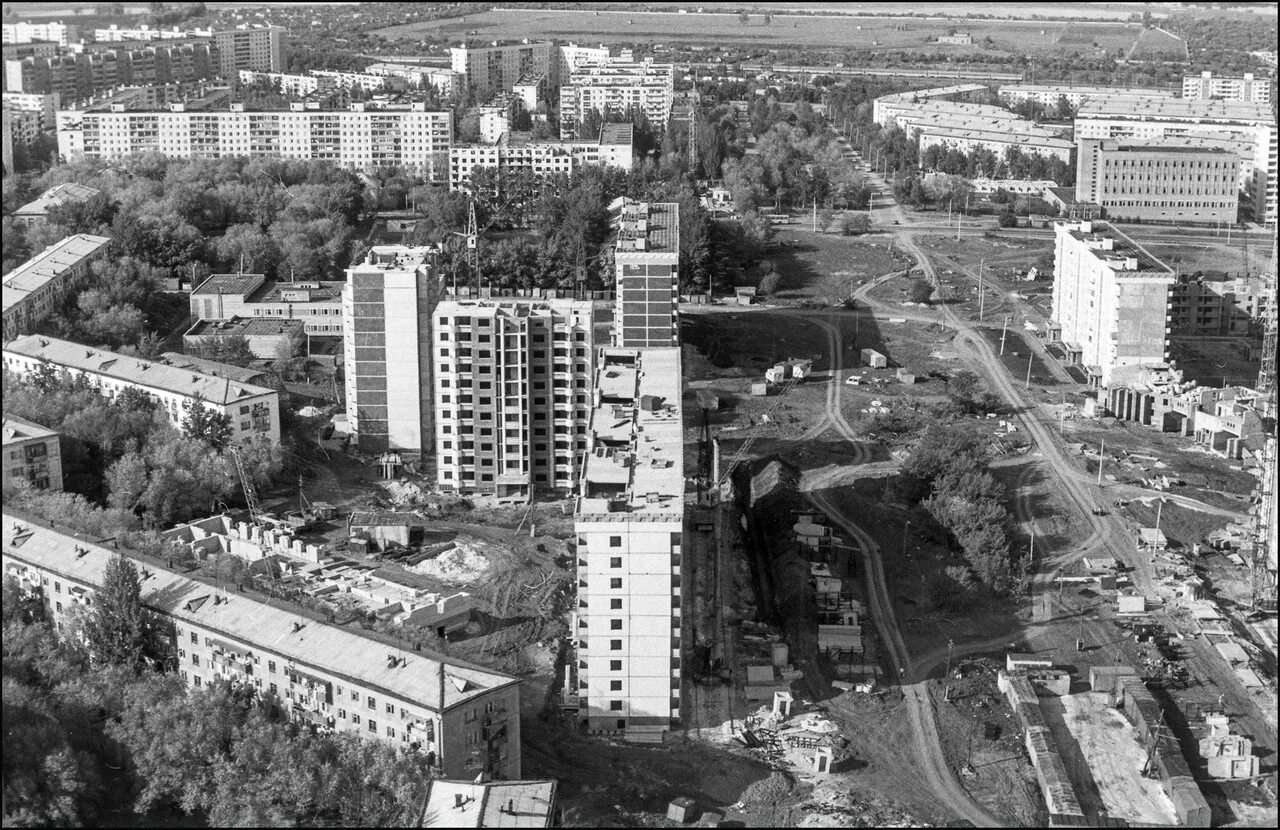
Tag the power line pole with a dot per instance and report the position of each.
(1003, 332)
(1101, 447)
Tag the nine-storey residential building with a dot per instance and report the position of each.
(1111, 300)
(496, 67)
(254, 411)
(512, 394)
(630, 523)
(75, 77)
(386, 339)
(359, 137)
(615, 86)
(647, 262)
(465, 718)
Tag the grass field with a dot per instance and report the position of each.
(1157, 44)
(812, 31)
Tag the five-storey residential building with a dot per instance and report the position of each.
(512, 394)
(629, 521)
(386, 339)
(38, 286)
(1111, 299)
(465, 718)
(1160, 181)
(32, 453)
(253, 411)
(647, 261)
(359, 137)
(1248, 88)
(518, 151)
(55, 32)
(496, 67)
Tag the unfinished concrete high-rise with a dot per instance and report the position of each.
(1111, 302)
(647, 262)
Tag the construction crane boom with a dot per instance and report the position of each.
(740, 455)
(246, 483)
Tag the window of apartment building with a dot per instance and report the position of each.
(342, 714)
(615, 604)
(373, 726)
(391, 733)
(355, 695)
(195, 678)
(615, 561)
(195, 641)
(615, 706)
(57, 587)
(355, 719)
(271, 666)
(615, 645)
(615, 625)
(444, 352)
(195, 660)
(615, 542)
(373, 704)
(615, 665)
(391, 708)
(58, 605)
(615, 583)
(274, 690)
(615, 685)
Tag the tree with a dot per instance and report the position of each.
(205, 424)
(744, 18)
(115, 631)
(769, 284)
(920, 291)
(855, 224)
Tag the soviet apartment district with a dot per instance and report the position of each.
(574, 414)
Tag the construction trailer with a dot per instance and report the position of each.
(872, 358)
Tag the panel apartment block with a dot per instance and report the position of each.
(512, 394)
(24, 32)
(360, 137)
(1158, 181)
(616, 87)
(1248, 88)
(496, 67)
(78, 76)
(647, 259)
(32, 453)
(515, 151)
(386, 340)
(1050, 94)
(38, 286)
(254, 411)
(630, 521)
(1111, 298)
(466, 719)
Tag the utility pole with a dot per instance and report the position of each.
(1003, 332)
(947, 694)
(982, 295)
(815, 214)
(1030, 357)
(1101, 447)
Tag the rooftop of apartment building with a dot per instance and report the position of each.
(397, 257)
(1136, 107)
(1115, 249)
(242, 284)
(499, 43)
(17, 428)
(935, 92)
(213, 367)
(217, 390)
(1170, 146)
(57, 195)
(515, 307)
(1152, 92)
(1004, 131)
(246, 327)
(647, 226)
(283, 629)
(636, 462)
(34, 273)
(490, 804)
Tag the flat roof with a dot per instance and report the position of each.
(617, 133)
(246, 327)
(65, 192)
(1039, 138)
(1164, 146)
(230, 284)
(1122, 246)
(1138, 108)
(662, 226)
(17, 429)
(221, 391)
(47, 265)
(490, 804)
(637, 435)
(1151, 92)
(319, 291)
(328, 648)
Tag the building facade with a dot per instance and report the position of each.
(514, 151)
(317, 303)
(1221, 306)
(38, 286)
(1111, 299)
(262, 48)
(56, 32)
(1248, 88)
(254, 411)
(617, 87)
(1051, 94)
(1158, 181)
(446, 81)
(31, 453)
(512, 394)
(360, 137)
(387, 305)
(464, 718)
(629, 522)
(647, 262)
(496, 67)
(36, 211)
(1245, 128)
(76, 77)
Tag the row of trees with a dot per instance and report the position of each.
(948, 474)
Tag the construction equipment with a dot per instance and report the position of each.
(741, 454)
(256, 514)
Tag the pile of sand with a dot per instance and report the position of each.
(462, 565)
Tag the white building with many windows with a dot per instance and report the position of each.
(465, 718)
(38, 286)
(359, 137)
(497, 66)
(615, 86)
(1248, 88)
(512, 394)
(647, 263)
(24, 32)
(517, 151)
(254, 411)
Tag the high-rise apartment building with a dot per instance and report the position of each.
(1111, 300)
(1248, 88)
(630, 523)
(386, 339)
(76, 77)
(569, 56)
(464, 718)
(512, 394)
(24, 32)
(1158, 181)
(496, 67)
(616, 87)
(647, 261)
(1245, 128)
(359, 137)
(262, 48)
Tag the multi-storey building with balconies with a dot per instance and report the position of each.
(1111, 300)
(517, 151)
(612, 86)
(512, 394)
(465, 718)
(38, 286)
(1248, 88)
(76, 77)
(495, 67)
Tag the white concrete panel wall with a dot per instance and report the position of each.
(404, 425)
